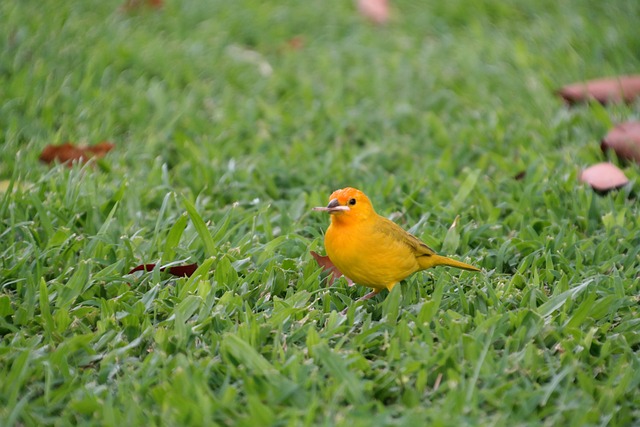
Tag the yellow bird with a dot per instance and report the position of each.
(372, 250)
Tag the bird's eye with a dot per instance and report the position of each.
(352, 202)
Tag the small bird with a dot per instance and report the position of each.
(372, 250)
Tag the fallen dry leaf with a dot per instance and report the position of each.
(604, 177)
(624, 139)
(605, 90)
(295, 43)
(69, 152)
(376, 11)
(177, 270)
(131, 5)
(520, 175)
(327, 266)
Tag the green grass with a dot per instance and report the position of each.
(225, 139)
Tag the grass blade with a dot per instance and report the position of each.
(242, 352)
(337, 368)
(201, 227)
(173, 239)
(554, 303)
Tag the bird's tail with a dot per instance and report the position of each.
(436, 260)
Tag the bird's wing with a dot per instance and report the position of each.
(417, 246)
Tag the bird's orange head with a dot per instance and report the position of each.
(348, 205)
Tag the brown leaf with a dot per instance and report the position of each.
(605, 90)
(624, 139)
(376, 11)
(328, 267)
(177, 270)
(295, 43)
(182, 270)
(131, 5)
(68, 152)
(100, 149)
(604, 177)
(142, 267)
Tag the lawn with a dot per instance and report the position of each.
(231, 120)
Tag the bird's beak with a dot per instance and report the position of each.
(333, 207)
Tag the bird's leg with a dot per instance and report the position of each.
(349, 281)
(369, 295)
(363, 298)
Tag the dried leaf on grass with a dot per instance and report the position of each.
(604, 177)
(132, 5)
(605, 90)
(624, 139)
(295, 43)
(520, 175)
(328, 267)
(177, 270)
(68, 152)
(376, 11)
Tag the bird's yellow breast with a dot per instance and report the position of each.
(369, 256)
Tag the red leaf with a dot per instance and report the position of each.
(142, 267)
(604, 177)
(68, 152)
(99, 149)
(327, 266)
(178, 270)
(131, 5)
(183, 270)
(295, 43)
(624, 139)
(613, 89)
(376, 11)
